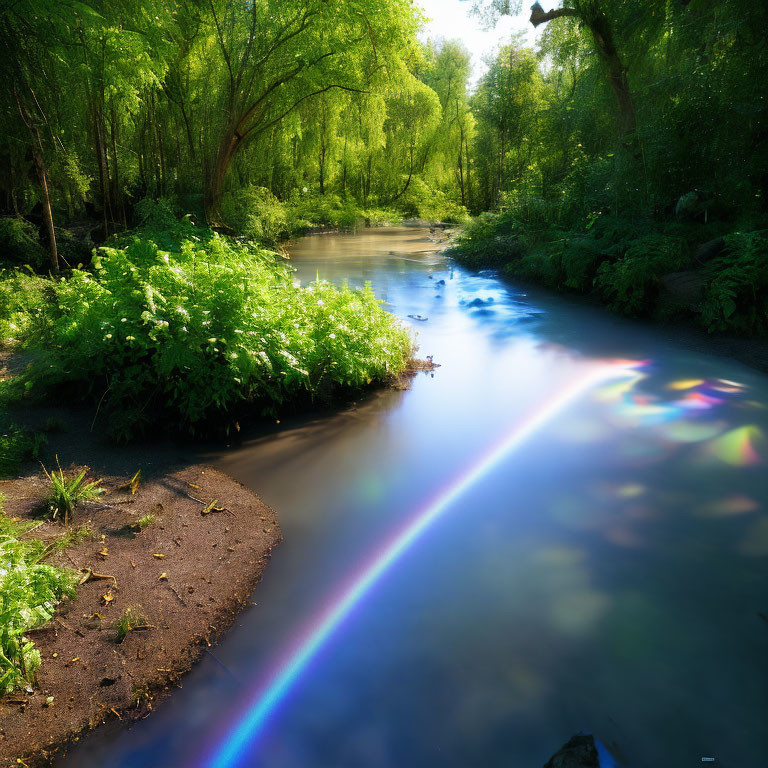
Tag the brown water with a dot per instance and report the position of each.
(608, 575)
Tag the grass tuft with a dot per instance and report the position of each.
(66, 494)
(145, 521)
(133, 618)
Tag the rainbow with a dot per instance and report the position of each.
(232, 748)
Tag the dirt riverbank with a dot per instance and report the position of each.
(188, 573)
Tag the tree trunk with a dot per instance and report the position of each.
(214, 183)
(42, 175)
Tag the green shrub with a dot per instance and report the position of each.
(488, 240)
(29, 591)
(424, 202)
(579, 258)
(185, 336)
(736, 296)
(256, 213)
(630, 285)
(22, 296)
(20, 243)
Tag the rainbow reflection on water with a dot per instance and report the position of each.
(232, 747)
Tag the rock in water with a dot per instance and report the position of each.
(579, 752)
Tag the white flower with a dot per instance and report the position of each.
(331, 335)
(320, 303)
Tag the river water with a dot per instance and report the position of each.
(595, 560)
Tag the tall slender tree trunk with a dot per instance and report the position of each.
(42, 175)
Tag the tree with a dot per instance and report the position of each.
(277, 54)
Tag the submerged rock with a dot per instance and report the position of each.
(579, 752)
(480, 302)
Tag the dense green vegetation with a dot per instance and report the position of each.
(632, 146)
(180, 325)
(29, 591)
(309, 111)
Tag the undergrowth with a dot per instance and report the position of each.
(29, 592)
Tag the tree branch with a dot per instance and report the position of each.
(540, 16)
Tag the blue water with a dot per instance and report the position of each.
(608, 576)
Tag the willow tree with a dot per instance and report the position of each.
(273, 55)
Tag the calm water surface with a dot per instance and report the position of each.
(609, 575)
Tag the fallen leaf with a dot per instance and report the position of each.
(158, 555)
(163, 577)
(134, 484)
(107, 597)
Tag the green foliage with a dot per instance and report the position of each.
(736, 296)
(424, 202)
(20, 244)
(489, 240)
(631, 284)
(22, 296)
(29, 591)
(185, 336)
(17, 445)
(256, 213)
(145, 521)
(133, 618)
(66, 493)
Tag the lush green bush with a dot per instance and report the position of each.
(187, 335)
(310, 209)
(22, 296)
(422, 201)
(570, 261)
(631, 284)
(736, 296)
(29, 591)
(488, 240)
(257, 214)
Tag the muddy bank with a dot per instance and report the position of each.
(188, 573)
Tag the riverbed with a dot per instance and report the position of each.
(598, 561)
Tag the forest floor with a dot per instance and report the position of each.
(187, 575)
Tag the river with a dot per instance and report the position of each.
(590, 557)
